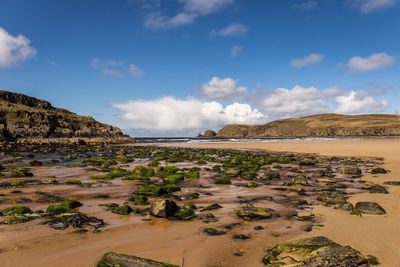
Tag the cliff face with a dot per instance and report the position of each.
(24, 117)
(325, 125)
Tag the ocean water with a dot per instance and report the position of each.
(189, 140)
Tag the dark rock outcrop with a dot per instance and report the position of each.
(25, 117)
(208, 134)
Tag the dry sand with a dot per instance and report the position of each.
(375, 235)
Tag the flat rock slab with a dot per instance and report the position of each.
(370, 208)
(316, 252)
(111, 259)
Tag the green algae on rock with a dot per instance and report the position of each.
(252, 212)
(315, 252)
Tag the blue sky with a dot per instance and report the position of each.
(178, 67)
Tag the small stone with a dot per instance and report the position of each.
(214, 231)
(378, 171)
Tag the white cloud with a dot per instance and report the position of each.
(135, 71)
(368, 6)
(354, 102)
(205, 7)
(235, 50)
(306, 6)
(301, 101)
(308, 60)
(14, 49)
(191, 10)
(372, 62)
(157, 21)
(297, 101)
(233, 29)
(171, 114)
(218, 88)
(116, 68)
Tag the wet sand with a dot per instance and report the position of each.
(375, 235)
(184, 243)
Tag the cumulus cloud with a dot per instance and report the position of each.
(297, 101)
(368, 6)
(372, 62)
(192, 9)
(218, 88)
(14, 49)
(301, 101)
(355, 102)
(171, 114)
(116, 68)
(233, 29)
(306, 6)
(308, 60)
(235, 50)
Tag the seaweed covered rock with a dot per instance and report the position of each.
(122, 210)
(16, 210)
(315, 252)
(21, 172)
(252, 212)
(64, 207)
(112, 259)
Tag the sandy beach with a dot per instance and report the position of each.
(376, 235)
(184, 243)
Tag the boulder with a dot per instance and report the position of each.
(252, 212)
(112, 259)
(163, 208)
(351, 170)
(378, 189)
(315, 252)
(370, 208)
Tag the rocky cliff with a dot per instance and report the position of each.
(25, 117)
(325, 125)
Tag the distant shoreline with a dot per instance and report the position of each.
(263, 139)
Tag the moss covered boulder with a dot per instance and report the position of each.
(315, 252)
(64, 207)
(21, 172)
(111, 259)
(16, 210)
(252, 212)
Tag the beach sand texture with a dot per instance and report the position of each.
(184, 244)
(376, 235)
